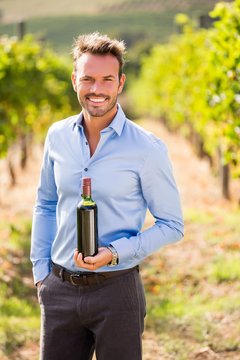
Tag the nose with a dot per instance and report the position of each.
(96, 87)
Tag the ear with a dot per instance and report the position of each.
(121, 83)
(73, 77)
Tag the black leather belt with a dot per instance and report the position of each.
(84, 278)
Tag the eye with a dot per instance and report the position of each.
(85, 79)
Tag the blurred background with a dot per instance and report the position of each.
(183, 84)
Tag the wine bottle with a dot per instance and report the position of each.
(87, 226)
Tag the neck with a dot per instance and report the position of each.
(93, 125)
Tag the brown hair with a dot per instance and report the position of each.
(99, 44)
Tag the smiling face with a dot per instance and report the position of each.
(97, 84)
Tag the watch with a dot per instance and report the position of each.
(114, 261)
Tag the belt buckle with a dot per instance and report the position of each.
(74, 276)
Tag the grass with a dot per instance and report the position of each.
(225, 269)
(19, 310)
(192, 303)
(192, 288)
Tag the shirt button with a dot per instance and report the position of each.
(86, 169)
(86, 143)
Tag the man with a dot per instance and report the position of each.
(99, 303)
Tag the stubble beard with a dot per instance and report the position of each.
(97, 112)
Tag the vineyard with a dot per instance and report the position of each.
(35, 91)
(193, 83)
(57, 23)
(27, 8)
(187, 92)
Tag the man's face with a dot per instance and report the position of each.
(97, 84)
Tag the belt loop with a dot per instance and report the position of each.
(61, 274)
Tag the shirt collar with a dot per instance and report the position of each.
(117, 123)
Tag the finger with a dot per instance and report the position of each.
(75, 255)
(90, 260)
(78, 258)
(91, 267)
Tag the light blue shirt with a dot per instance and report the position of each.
(130, 172)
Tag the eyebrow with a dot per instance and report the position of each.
(109, 76)
(91, 77)
(86, 77)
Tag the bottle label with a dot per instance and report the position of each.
(87, 231)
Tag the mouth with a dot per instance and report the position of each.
(97, 100)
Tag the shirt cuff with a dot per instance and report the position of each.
(124, 249)
(41, 268)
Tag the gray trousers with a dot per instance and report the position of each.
(107, 318)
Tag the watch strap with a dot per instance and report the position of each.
(114, 260)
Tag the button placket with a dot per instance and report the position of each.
(104, 135)
(103, 138)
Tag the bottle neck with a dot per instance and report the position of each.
(87, 200)
(87, 197)
(86, 192)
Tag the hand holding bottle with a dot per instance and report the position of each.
(103, 257)
(87, 222)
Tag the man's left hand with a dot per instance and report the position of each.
(103, 257)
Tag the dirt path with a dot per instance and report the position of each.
(198, 189)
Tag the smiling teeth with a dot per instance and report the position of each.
(97, 100)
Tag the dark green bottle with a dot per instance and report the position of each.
(87, 226)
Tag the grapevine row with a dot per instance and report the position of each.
(193, 83)
(35, 91)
